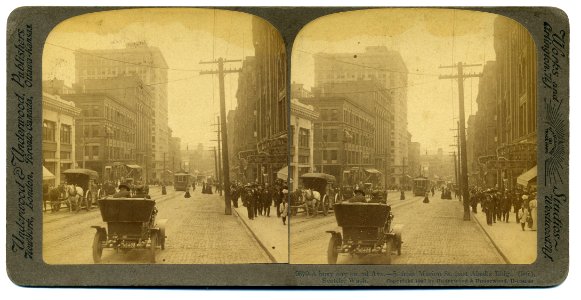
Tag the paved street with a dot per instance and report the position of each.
(433, 233)
(198, 233)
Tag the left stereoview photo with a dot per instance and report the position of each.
(164, 139)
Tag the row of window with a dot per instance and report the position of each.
(97, 131)
(94, 152)
(49, 129)
(46, 154)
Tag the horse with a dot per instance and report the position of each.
(313, 198)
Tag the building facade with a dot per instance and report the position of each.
(516, 96)
(149, 65)
(243, 125)
(105, 137)
(301, 140)
(389, 70)
(58, 135)
(343, 137)
(272, 102)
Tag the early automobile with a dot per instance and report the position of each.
(366, 230)
(86, 179)
(131, 224)
(322, 184)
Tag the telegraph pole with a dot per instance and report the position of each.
(462, 138)
(221, 73)
(163, 190)
(220, 157)
(215, 162)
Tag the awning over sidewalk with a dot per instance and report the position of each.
(282, 173)
(46, 174)
(133, 166)
(372, 171)
(528, 176)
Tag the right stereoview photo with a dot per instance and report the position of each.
(413, 139)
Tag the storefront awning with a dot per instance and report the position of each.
(525, 178)
(372, 171)
(282, 173)
(46, 174)
(133, 166)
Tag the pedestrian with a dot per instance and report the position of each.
(235, 191)
(426, 198)
(284, 212)
(487, 207)
(248, 201)
(402, 195)
(267, 200)
(523, 215)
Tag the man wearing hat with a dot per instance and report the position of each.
(123, 191)
(359, 196)
(140, 192)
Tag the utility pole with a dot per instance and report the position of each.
(215, 162)
(462, 138)
(220, 157)
(221, 73)
(163, 190)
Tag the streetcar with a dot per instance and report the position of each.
(182, 181)
(420, 186)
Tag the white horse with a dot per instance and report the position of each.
(313, 198)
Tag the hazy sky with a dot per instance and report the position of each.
(426, 39)
(184, 36)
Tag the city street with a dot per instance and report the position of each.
(197, 232)
(433, 233)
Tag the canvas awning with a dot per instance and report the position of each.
(372, 171)
(525, 178)
(282, 173)
(46, 174)
(133, 166)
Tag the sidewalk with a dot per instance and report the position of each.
(269, 231)
(517, 246)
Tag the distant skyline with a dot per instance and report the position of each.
(426, 39)
(185, 36)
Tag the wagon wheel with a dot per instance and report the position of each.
(332, 252)
(388, 246)
(89, 200)
(152, 247)
(325, 205)
(97, 248)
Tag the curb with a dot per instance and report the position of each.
(243, 221)
(506, 260)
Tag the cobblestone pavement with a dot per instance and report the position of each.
(198, 233)
(517, 246)
(433, 233)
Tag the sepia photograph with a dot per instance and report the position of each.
(164, 139)
(413, 139)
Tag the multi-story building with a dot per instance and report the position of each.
(414, 159)
(343, 137)
(147, 63)
(106, 136)
(272, 104)
(242, 126)
(175, 154)
(516, 101)
(58, 135)
(301, 140)
(370, 95)
(386, 67)
(138, 97)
